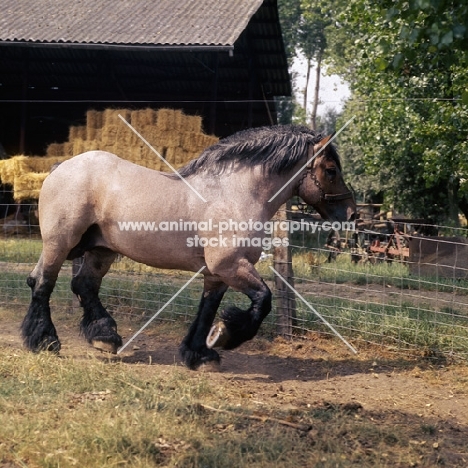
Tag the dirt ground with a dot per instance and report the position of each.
(311, 371)
(303, 370)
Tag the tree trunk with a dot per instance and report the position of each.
(453, 201)
(463, 205)
(316, 92)
(306, 87)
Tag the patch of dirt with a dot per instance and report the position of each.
(297, 373)
(386, 294)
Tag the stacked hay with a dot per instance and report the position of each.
(26, 174)
(177, 137)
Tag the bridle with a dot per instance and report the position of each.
(327, 197)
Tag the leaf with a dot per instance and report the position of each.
(447, 38)
(392, 12)
(381, 64)
(459, 31)
(465, 97)
(405, 32)
(397, 61)
(414, 36)
(424, 4)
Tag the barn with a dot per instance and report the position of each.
(222, 60)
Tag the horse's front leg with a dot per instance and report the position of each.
(193, 350)
(237, 325)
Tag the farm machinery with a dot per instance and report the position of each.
(376, 241)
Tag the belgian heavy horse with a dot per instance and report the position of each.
(246, 176)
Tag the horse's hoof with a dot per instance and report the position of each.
(50, 345)
(218, 336)
(105, 346)
(210, 366)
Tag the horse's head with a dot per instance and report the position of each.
(321, 185)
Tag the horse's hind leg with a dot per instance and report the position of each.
(193, 349)
(37, 329)
(97, 325)
(239, 325)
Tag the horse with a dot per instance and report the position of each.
(244, 178)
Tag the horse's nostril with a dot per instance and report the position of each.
(352, 217)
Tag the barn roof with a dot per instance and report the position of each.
(137, 22)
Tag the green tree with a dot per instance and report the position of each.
(408, 69)
(308, 28)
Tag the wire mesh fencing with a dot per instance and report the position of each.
(387, 283)
(399, 284)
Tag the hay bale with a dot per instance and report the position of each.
(170, 156)
(192, 123)
(28, 185)
(158, 137)
(93, 133)
(145, 155)
(169, 120)
(197, 142)
(187, 140)
(78, 146)
(132, 154)
(179, 157)
(176, 156)
(67, 149)
(76, 132)
(91, 145)
(111, 117)
(177, 137)
(127, 137)
(109, 134)
(94, 120)
(203, 141)
(143, 117)
(40, 164)
(108, 148)
(12, 168)
(55, 149)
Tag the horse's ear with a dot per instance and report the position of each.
(325, 140)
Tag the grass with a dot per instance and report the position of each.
(20, 250)
(401, 326)
(97, 412)
(65, 412)
(394, 274)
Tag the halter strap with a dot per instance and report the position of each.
(328, 197)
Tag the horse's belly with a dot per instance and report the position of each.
(159, 250)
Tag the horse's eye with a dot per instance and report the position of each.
(331, 172)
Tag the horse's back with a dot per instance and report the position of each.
(88, 172)
(85, 164)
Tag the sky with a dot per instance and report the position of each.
(333, 91)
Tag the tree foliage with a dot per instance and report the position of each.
(307, 25)
(407, 64)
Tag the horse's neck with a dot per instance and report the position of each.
(259, 193)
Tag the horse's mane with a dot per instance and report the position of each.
(276, 149)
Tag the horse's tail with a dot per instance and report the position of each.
(52, 169)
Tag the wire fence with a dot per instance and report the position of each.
(400, 284)
(387, 283)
